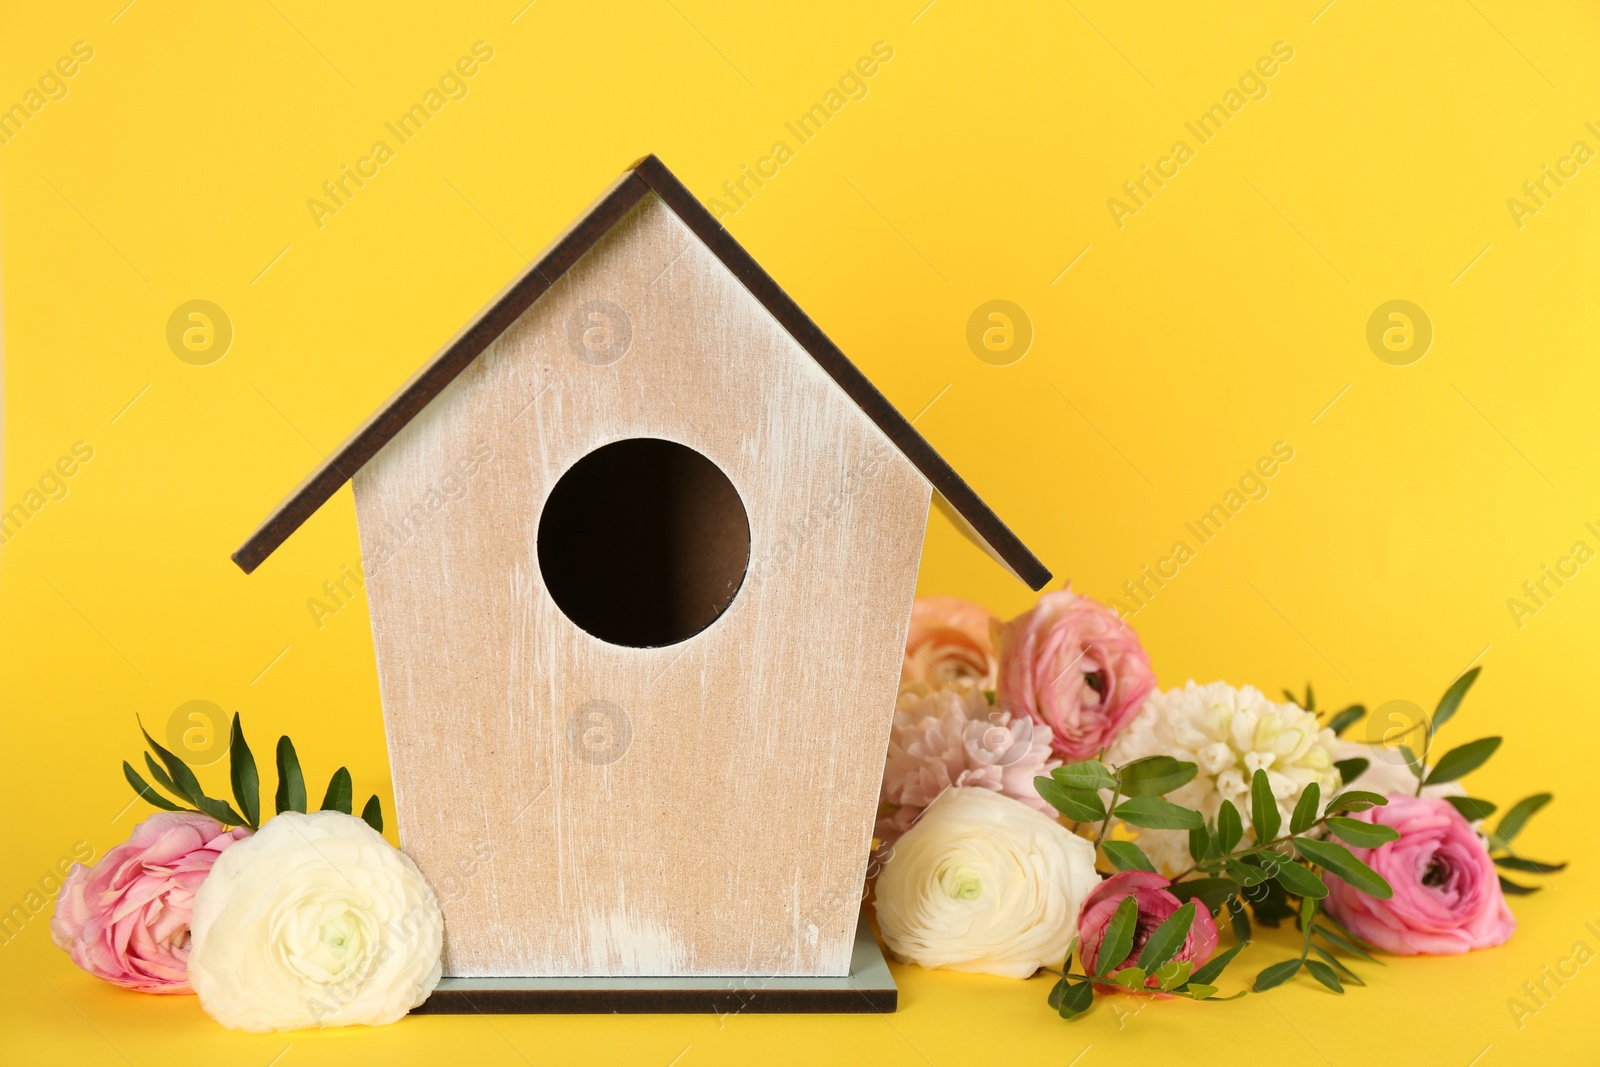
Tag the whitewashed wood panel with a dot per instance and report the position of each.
(730, 838)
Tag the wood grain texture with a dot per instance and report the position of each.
(729, 835)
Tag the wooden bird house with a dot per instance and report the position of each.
(640, 548)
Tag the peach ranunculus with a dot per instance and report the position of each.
(1071, 664)
(1447, 898)
(126, 919)
(945, 738)
(949, 644)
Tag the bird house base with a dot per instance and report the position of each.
(868, 988)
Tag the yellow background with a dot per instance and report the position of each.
(1226, 315)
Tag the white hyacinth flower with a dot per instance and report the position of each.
(1229, 734)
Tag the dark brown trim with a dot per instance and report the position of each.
(431, 380)
(755, 1001)
(647, 175)
(946, 482)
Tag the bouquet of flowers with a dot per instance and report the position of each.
(299, 920)
(1045, 807)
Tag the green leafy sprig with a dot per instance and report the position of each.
(176, 777)
(1155, 969)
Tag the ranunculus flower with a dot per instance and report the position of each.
(1156, 905)
(1229, 734)
(947, 738)
(314, 921)
(1074, 666)
(950, 644)
(983, 883)
(1447, 897)
(127, 919)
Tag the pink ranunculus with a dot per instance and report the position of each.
(950, 644)
(1074, 666)
(946, 738)
(1447, 897)
(1156, 904)
(126, 919)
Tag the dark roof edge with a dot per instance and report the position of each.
(647, 175)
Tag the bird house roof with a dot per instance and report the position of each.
(649, 175)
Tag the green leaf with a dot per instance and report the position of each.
(1508, 886)
(1517, 816)
(372, 815)
(1452, 698)
(1200, 991)
(1264, 817)
(1057, 991)
(142, 787)
(1118, 939)
(1213, 967)
(1297, 881)
(1199, 843)
(1471, 808)
(1356, 800)
(1462, 760)
(1155, 813)
(1079, 805)
(1289, 695)
(161, 776)
(1347, 718)
(1239, 917)
(338, 797)
(1167, 939)
(1230, 829)
(1305, 812)
(1311, 699)
(1351, 769)
(1246, 874)
(1325, 974)
(1209, 891)
(1087, 774)
(291, 794)
(1075, 999)
(184, 784)
(1172, 974)
(242, 771)
(1276, 975)
(1361, 833)
(219, 810)
(1338, 860)
(1155, 775)
(1127, 856)
(1339, 928)
(1517, 863)
(1130, 977)
(1271, 907)
(1347, 944)
(1411, 760)
(1333, 961)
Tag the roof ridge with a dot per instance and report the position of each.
(647, 175)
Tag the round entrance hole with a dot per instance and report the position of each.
(644, 543)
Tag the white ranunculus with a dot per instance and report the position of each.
(314, 921)
(984, 883)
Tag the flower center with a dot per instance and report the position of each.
(1096, 681)
(963, 883)
(1436, 874)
